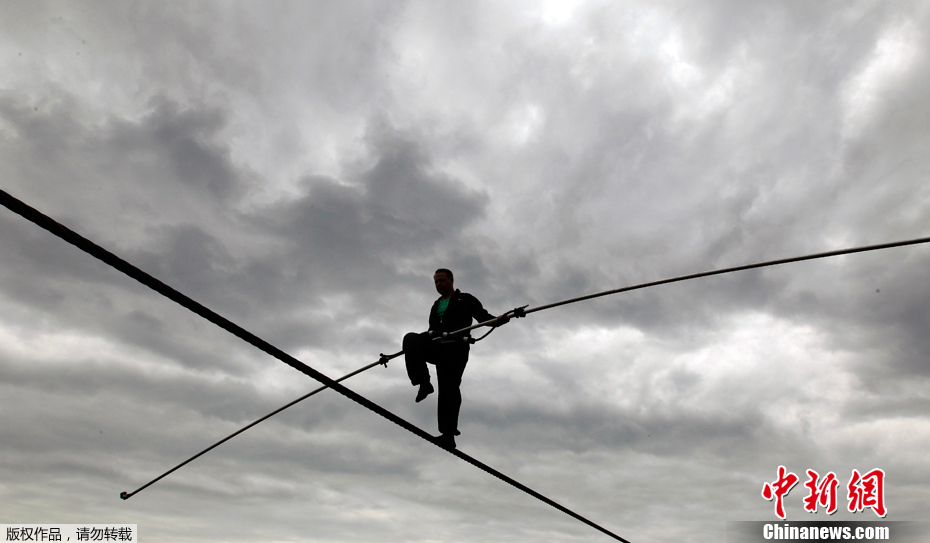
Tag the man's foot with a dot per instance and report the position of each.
(425, 390)
(446, 441)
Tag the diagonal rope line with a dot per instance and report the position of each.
(111, 259)
(520, 312)
(731, 270)
(127, 495)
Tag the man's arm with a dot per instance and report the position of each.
(481, 314)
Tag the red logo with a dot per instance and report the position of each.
(779, 489)
(823, 494)
(867, 491)
(863, 491)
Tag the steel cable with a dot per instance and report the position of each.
(111, 259)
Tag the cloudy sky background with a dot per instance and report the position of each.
(303, 167)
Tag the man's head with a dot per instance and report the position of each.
(443, 281)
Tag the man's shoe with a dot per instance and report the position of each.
(446, 441)
(425, 390)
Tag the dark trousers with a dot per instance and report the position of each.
(450, 360)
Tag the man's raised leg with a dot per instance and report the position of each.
(416, 349)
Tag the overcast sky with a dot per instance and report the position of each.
(303, 167)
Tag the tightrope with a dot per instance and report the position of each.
(111, 259)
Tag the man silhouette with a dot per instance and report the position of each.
(453, 311)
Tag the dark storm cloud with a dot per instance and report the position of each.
(344, 235)
(302, 168)
(772, 195)
(171, 150)
(187, 138)
(58, 151)
(338, 237)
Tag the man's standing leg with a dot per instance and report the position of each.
(417, 349)
(449, 372)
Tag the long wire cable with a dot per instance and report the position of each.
(111, 259)
(243, 429)
(519, 312)
(731, 270)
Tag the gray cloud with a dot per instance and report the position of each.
(303, 168)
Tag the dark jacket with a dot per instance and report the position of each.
(463, 307)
